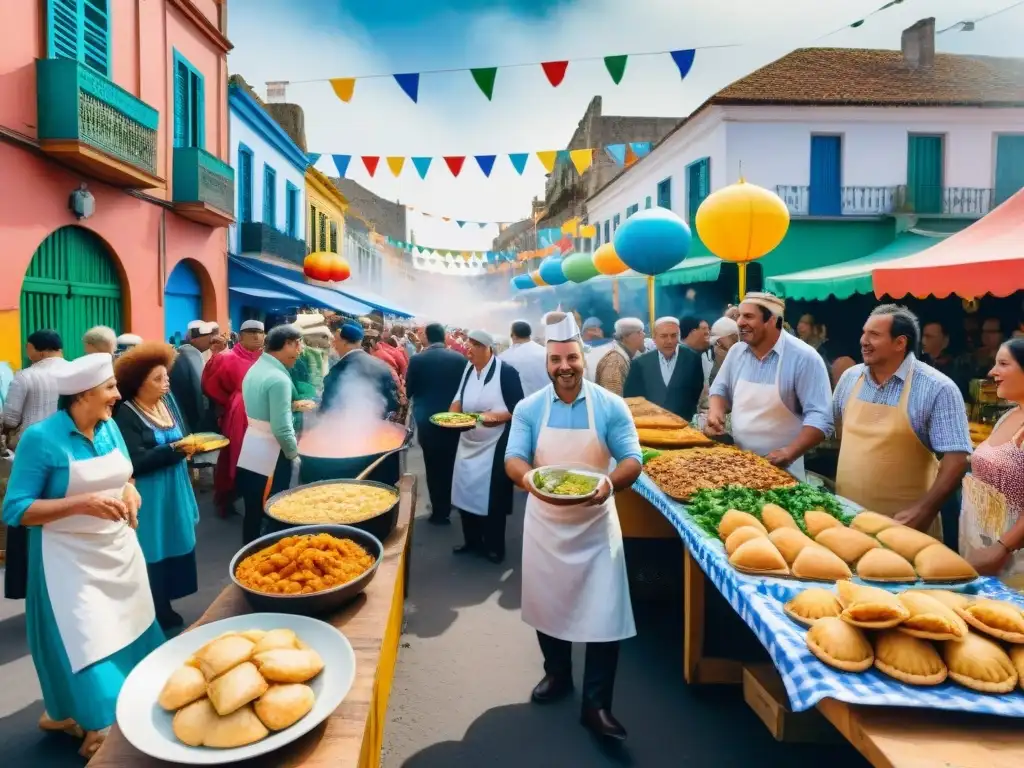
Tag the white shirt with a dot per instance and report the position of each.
(32, 396)
(667, 366)
(530, 360)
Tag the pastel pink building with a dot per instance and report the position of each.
(115, 196)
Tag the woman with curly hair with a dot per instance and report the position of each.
(153, 427)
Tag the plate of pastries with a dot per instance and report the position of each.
(874, 548)
(235, 689)
(920, 637)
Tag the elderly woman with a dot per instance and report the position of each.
(89, 612)
(152, 428)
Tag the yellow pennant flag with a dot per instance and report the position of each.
(589, 230)
(396, 164)
(570, 227)
(581, 158)
(547, 159)
(344, 87)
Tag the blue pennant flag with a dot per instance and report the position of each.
(481, 224)
(684, 60)
(640, 148)
(410, 83)
(422, 165)
(519, 161)
(341, 163)
(312, 157)
(562, 156)
(461, 224)
(617, 152)
(486, 163)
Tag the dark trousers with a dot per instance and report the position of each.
(252, 488)
(485, 533)
(598, 673)
(439, 446)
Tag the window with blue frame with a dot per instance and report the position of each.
(244, 184)
(79, 30)
(665, 193)
(607, 231)
(269, 196)
(291, 210)
(615, 222)
(189, 105)
(698, 186)
(647, 203)
(597, 234)
(632, 209)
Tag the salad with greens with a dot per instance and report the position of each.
(560, 482)
(708, 506)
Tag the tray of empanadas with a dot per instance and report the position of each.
(235, 689)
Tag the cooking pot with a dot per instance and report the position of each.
(380, 525)
(316, 468)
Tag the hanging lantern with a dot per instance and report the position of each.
(653, 241)
(579, 267)
(537, 279)
(551, 271)
(607, 261)
(339, 269)
(317, 266)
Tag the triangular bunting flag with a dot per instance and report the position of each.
(486, 163)
(562, 156)
(518, 160)
(422, 165)
(616, 66)
(481, 224)
(617, 152)
(370, 161)
(684, 60)
(581, 159)
(555, 71)
(396, 164)
(461, 224)
(410, 83)
(344, 87)
(630, 156)
(454, 163)
(640, 148)
(547, 159)
(445, 218)
(312, 157)
(341, 163)
(484, 78)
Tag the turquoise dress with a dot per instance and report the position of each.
(40, 471)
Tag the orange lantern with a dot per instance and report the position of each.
(607, 261)
(339, 269)
(317, 266)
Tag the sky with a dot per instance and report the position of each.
(312, 40)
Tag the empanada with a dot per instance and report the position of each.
(846, 542)
(1003, 621)
(816, 563)
(774, 517)
(980, 664)
(817, 521)
(789, 541)
(183, 687)
(938, 562)
(1017, 658)
(949, 599)
(193, 722)
(882, 564)
(908, 659)
(871, 523)
(239, 728)
(870, 607)
(284, 705)
(734, 519)
(740, 536)
(236, 688)
(290, 665)
(930, 619)
(254, 634)
(813, 604)
(274, 639)
(905, 541)
(839, 645)
(223, 654)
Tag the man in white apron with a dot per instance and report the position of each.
(776, 385)
(269, 446)
(575, 588)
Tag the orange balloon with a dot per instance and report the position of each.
(317, 266)
(607, 261)
(339, 269)
(535, 276)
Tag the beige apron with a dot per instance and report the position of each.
(95, 571)
(879, 439)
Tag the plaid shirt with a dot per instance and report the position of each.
(31, 398)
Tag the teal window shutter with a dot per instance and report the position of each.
(665, 193)
(245, 185)
(269, 196)
(291, 210)
(189, 105)
(180, 104)
(79, 30)
(632, 209)
(647, 203)
(95, 35)
(698, 182)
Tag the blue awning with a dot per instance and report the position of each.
(261, 293)
(246, 276)
(379, 303)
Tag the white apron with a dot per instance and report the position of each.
(762, 423)
(575, 586)
(260, 449)
(471, 481)
(95, 571)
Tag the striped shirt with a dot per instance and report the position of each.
(935, 406)
(32, 396)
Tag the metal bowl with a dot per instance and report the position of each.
(315, 468)
(318, 602)
(380, 525)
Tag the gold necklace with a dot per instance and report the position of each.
(159, 415)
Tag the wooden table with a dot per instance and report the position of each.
(354, 734)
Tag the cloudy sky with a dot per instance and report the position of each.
(312, 40)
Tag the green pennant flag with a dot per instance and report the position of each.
(616, 66)
(484, 78)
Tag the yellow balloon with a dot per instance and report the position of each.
(535, 276)
(607, 261)
(742, 222)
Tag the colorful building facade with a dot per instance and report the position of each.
(113, 147)
(325, 217)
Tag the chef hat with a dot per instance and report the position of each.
(626, 325)
(769, 301)
(252, 325)
(482, 337)
(351, 333)
(560, 329)
(724, 326)
(83, 373)
(128, 340)
(667, 320)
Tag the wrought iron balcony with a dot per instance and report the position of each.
(851, 201)
(96, 126)
(204, 187)
(257, 237)
(970, 202)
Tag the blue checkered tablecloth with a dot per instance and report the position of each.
(759, 601)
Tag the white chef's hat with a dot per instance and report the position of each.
(83, 373)
(560, 329)
(252, 325)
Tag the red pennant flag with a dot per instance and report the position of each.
(370, 162)
(455, 163)
(555, 71)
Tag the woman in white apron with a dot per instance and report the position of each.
(89, 612)
(481, 490)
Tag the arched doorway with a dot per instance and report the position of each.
(72, 284)
(183, 301)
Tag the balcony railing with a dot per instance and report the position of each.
(95, 125)
(204, 187)
(948, 201)
(257, 237)
(851, 201)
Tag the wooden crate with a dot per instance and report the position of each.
(765, 693)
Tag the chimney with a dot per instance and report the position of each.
(277, 91)
(918, 44)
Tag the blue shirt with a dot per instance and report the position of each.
(804, 384)
(612, 422)
(935, 406)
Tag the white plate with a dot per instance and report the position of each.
(566, 468)
(147, 726)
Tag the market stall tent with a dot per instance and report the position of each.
(987, 257)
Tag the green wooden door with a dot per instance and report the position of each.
(1009, 167)
(924, 173)
(71, 286)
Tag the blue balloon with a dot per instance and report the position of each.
(551, 271)
(653, 241)
(523, 282)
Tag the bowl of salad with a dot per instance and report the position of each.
(565, 485)
(463, 422)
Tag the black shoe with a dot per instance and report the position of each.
(603, 724)
(495, 557)
(464, 549)
(439, 520)
(551, 689)
(170, 619)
